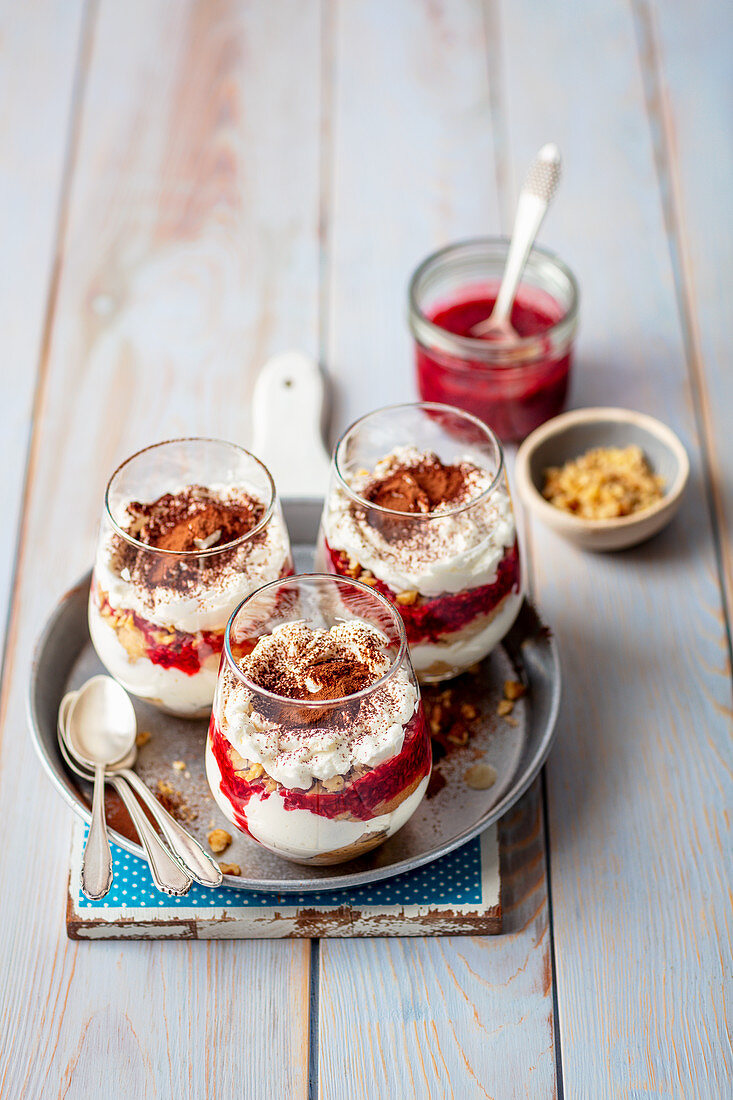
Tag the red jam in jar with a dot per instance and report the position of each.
(513, 388)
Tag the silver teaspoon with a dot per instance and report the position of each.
(197, 861)
(99, 733)
(194, 857)
(534, 199)
(165, 869)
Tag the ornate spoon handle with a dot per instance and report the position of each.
(197, 861)
(168, 875)
(534, 199)
(96, 868)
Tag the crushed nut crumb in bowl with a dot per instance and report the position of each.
(607, 495)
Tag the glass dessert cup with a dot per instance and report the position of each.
(318, 747)
(419, 510)
(513, 388)
(189, 528)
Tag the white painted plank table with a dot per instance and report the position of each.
(189, 187)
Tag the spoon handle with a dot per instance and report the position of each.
(530, 211)
(196, 860)
(534, 199)
(96, 868)
(168, 875)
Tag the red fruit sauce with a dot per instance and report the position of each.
(360, 799)
(512, 400)
(186, 652)
(429, 619)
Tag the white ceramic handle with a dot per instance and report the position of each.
(287, 410)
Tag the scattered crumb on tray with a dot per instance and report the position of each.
(219, 840)
(480, 777)
(174, 802)
(230, 868)
(513, 689)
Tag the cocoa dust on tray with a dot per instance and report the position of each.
(456, 712)
(453, 713)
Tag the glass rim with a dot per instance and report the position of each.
(402, 651)
(437, 407)
(485, 353)
(210, 551)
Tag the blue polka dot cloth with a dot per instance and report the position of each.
(455, 879)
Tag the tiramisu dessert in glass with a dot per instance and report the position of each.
(318, 746)
(190, 527)
(419, 510)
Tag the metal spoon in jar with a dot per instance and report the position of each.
(534, 199)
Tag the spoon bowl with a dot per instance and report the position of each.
(87, 771)
(100, 723)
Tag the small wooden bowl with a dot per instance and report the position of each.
(572, 434)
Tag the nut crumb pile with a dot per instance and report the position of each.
(604, 483)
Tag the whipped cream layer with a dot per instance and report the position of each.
(317, 743)
(460, 649)
(301, 835)
(210, 596)
(444, 552)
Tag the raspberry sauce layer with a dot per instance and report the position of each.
(186, 652)
(180, 650)
(429, 619)
(362, 798)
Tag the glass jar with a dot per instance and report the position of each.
(513, 388)
(419, 508)
(318, 746)
(189, 528)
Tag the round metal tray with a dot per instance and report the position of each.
(64, 658)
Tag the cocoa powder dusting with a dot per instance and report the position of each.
(330, 679)
(314, 675)
(181, 521)
(194, 519)
(419, 488)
